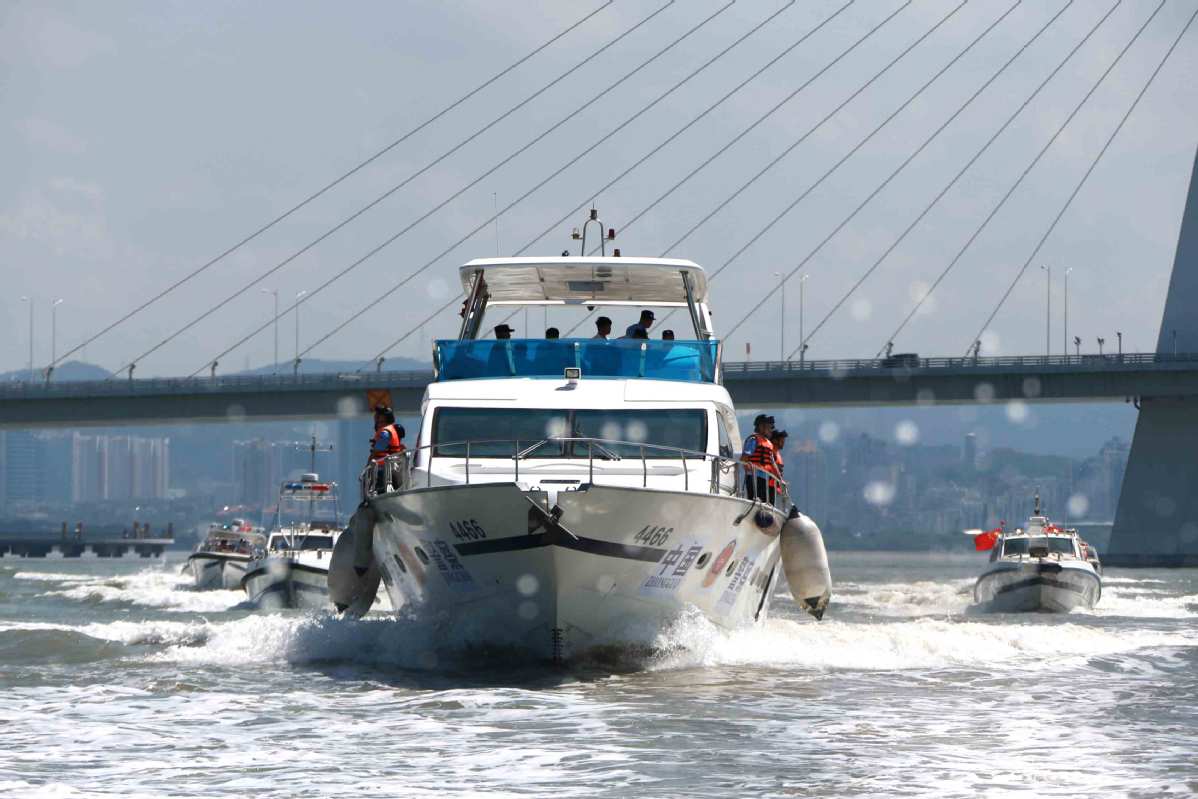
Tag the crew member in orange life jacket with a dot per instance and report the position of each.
(759, 452)
(387, 440)
(778, 439)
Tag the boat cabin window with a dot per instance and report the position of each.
(301, 542)
(1021, 546)
(493, 432)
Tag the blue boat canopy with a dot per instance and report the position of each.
(689, 361)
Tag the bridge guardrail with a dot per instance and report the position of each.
(874, 366)
(207, 385)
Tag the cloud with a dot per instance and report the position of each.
(51, 136)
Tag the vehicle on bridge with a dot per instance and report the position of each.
(573, 494)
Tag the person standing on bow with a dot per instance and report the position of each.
(761, 466)
(387, 441)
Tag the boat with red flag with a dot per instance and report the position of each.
(1039, 567)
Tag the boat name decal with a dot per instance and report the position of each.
(674, 566)
(652, 535)
(739, 578)
(448, 564)
(467, 530)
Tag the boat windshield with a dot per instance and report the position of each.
(1021, 546)
(300, 541)
(674, 429)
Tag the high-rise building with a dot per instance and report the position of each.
(969, 451)
(23, 464)
(119, 467)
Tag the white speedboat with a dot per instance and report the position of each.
(220, 559)
(293, 568)
(575, 493)
(1040, 567)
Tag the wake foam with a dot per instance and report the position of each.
(153, 588)
(918, 644)
(920, 598)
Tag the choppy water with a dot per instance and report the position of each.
(117, 680)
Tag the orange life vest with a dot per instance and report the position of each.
(394, 447)
(763, 456)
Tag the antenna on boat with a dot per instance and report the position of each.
(593, 217)
(1036, 512)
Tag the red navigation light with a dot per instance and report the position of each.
(611, 233)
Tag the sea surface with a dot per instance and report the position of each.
(117, 679)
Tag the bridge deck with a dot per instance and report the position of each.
(845, 382)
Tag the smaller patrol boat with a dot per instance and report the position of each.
(220, 559)
(292, 571)
(1041, 567)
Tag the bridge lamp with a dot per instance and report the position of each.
(53, 336)
(30, 301)
(1077, 344)
(1101, 341)
(1047, 310)
(1065, 334)
(1120, 336)
(782, 319)
(275, 293)
(299, 295)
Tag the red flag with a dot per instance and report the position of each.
(985, 540)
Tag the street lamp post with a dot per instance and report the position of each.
(1120, 337)
(53, 336)
(782, 320)
(30, 301)
(802, 331)
(1101, 341)
(298, 296)
(1047, 310)
(1065, 335)
(275, 292)
(1077, 345)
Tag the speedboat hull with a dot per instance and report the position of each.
(278, 583)
(556, 575)
(214, 570)
(1047, 586)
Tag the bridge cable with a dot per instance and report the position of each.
(391, 239)
(1085, 177)
(799, 141)
(394, 188)
(340, 179)
(869, 198)
(610, 183)
(960, 173)
(956, 259)
(824, 69)
(790, 48)
(581, 154)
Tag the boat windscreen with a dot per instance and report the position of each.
(673, 428)
(301, 541)
(1021, 546)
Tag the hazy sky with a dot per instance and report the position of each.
(140, 139)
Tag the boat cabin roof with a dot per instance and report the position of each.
(575, 280)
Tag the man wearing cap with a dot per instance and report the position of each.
(387, 440)
(778, 439)
(760, 464)
(641, 328)
(602, 327)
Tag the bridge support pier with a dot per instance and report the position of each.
(1156, 523)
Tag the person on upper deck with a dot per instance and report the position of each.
(759, 460)
(642, 326)
(503, 332)
(667, 335)
(553, 333)
(602, 327)
(778, 439)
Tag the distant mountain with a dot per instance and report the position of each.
(69, 371)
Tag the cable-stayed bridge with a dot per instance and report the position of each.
(753, 384)
(1044, 44)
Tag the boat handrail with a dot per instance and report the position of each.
(394, 472)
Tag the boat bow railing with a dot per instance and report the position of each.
(397, 472)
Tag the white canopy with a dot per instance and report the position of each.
(570, 280)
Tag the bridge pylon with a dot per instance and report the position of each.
(1156, 523)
